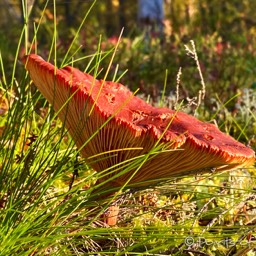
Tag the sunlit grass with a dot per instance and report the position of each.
(51, 203)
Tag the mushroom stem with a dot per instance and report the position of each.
(108, 195)
(111, 215)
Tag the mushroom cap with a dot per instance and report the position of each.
(110, 125)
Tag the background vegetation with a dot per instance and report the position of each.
(47, 202)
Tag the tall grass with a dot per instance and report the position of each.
(47, 191)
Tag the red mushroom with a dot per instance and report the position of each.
(105, 118)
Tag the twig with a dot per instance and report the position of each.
(193, 54)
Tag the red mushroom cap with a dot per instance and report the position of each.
(125, 121)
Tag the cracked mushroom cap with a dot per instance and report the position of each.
(128, 127)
